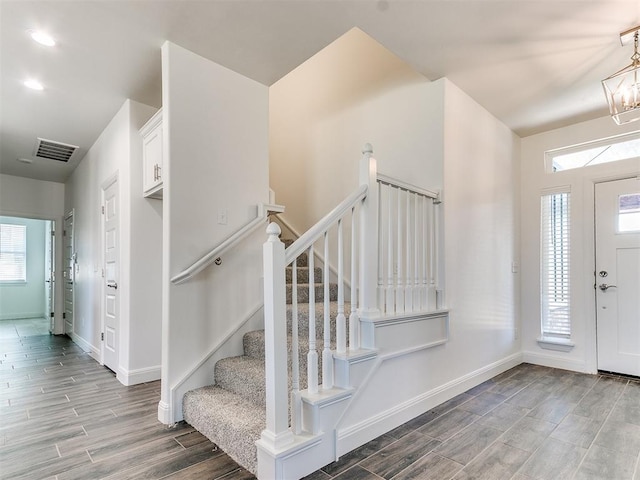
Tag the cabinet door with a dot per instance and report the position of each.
(152, 161)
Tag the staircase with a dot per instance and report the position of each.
(231, 412)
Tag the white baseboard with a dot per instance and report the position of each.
(139, 375)
(86, 346)
(164, 413)
(554, 361)
(22, 316)
(353, 436)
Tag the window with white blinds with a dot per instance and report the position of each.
(13, 253)
(555, 281)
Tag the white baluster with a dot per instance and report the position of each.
(327, 356)
(425, 254)
(408, 289)
(354, 327)
(276, 433)
(341, 321)
(432, 258)
(390, 301)
(381, 248)
(417, 271)
(399, 260)
(296, 399)
(312, 355)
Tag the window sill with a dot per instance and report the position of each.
(557, 344)
(12, 283)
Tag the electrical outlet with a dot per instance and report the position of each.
(222, 217)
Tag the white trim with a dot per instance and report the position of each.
(86, 346)
(552, 361)
(21, 316)
(557, 344)
(164, 413)
(139, 375)
(358, 434)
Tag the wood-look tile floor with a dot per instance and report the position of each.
(63, 416)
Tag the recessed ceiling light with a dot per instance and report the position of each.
(42, 38)
(33, 84)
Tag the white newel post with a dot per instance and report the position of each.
(277, 433)
(368, 304)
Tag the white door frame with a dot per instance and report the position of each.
(105, 185)
(70, 214)
(596, 278)
(589, 257)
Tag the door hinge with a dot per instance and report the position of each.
(64, 315)
(102, 337)
(64, 233)
(51, 315)
(103, 209)
(53, 232)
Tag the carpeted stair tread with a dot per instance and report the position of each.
(228, 420)
(303, 275)
(242, 375)
(303, 292)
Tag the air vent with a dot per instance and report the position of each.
(51, 150)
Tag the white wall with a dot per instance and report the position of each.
(27, 300)
(433, 135)
(215, 128)
(322, 113)
(118, 153)
(533, 181)
(25, 197)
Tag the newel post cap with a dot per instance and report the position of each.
(367, 148)
(273, 231)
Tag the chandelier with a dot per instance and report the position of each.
(622, 89)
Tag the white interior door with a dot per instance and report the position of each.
(618, 275)
(111, 276)
(49, 274)
(68, 273)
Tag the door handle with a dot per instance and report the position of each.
(604, 287)
(113, 285)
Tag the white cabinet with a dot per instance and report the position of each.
(151, 134)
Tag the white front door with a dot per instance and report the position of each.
(617, 206)
(111, 277)
(68, 272)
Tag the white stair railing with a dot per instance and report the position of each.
(408, 248)
(277, 432)
(393, 270)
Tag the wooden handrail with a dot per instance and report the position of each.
(207, 259)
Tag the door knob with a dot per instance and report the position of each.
(604, 287)
(113, 285)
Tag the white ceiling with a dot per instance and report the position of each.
(536, 65)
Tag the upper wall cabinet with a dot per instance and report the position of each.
(151, 134)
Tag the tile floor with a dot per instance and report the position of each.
(23, 328)
(63, 416)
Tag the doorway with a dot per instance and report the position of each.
(27, 274)
(617, 275)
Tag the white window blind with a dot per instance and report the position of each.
(555, 281)
(13, 253)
